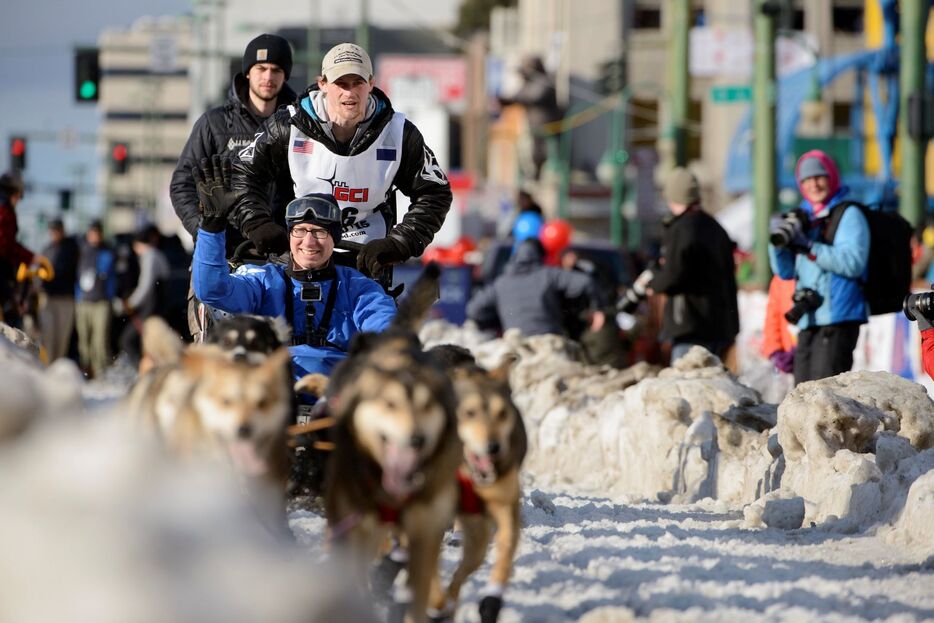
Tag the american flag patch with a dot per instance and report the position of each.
(301, 146)
(385, 154)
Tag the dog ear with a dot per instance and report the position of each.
(501, 372)
(160, 344)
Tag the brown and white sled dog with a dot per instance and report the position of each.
(494, 437)
(201, 402)
(396, 449)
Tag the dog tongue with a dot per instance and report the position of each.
(481, 464)
(243, 454)
(398, 466)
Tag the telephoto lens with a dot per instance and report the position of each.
(918, 305)
(636, 294)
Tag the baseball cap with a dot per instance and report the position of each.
(811, 167)
(268, 49)
(319, 209)
(346, 58)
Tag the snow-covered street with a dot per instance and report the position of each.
(96, 518)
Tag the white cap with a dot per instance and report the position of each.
(346, 58)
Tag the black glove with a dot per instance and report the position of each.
(212, 181)
(380, 253)
(266, 236)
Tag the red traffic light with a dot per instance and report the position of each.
(17, 153)
(119, 158)
(120, 151)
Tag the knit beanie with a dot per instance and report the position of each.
(268, 49)
(681, 187)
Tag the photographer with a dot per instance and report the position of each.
(920, 307)
(697, 273)
(828, 304)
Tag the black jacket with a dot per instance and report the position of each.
(224, 129)
(698, 275)
(430, 200)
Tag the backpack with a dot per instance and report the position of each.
(888, 274)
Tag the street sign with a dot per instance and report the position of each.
(730, 93)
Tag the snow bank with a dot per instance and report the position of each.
(846, 453)
(29, 391)
(99, 527)
(856, 448)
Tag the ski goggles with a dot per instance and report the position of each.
(320, 208)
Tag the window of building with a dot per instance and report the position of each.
(848, 19)
(646, 17)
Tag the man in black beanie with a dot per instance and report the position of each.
(254, 95)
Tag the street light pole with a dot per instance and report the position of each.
(763, 96)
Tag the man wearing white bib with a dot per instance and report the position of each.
(342, 137)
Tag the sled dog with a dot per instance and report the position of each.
(201, 402)
(494, 440)
(396, 448)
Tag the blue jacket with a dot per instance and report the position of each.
(97, 276)
(360, 303)
(835, 271)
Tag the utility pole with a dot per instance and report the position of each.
(911, 78)
(763, 102)
(678, 79)
(363, 28)
(314, 41)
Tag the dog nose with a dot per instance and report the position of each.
(239, 354)
(417, 441)
(245, 431)
(493, 447)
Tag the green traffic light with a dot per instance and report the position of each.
(88, 90)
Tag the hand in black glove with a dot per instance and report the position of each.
(266, 236)
(212, 181)
(380, 253)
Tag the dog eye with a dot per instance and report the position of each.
(470, 414)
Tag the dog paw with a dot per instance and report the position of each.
(489, 608)
(445, 615)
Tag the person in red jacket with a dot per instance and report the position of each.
(778, 343)
(927, 345)
(12, 253)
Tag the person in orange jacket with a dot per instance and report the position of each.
(778, 343)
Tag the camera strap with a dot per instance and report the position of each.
(313, 335)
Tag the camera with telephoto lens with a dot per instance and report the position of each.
(636, 294)
(805, 300)
(783, 229)
(919, 305)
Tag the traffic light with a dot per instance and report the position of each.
(64, 199)
(119, 158)
(18, 153)
(87, 75)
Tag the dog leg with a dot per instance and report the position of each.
(477, 533)
(507, 520)
(424, 527)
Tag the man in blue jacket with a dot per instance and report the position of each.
(829, 264)
(325, 304)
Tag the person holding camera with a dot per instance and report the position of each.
(325, 304)
(829, 266)
(696, 271)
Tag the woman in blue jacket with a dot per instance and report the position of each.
(326, 304)
(829, 265)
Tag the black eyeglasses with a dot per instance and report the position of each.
(301, 232)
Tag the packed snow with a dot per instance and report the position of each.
(671, 494)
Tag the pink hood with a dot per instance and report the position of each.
(833, 176)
